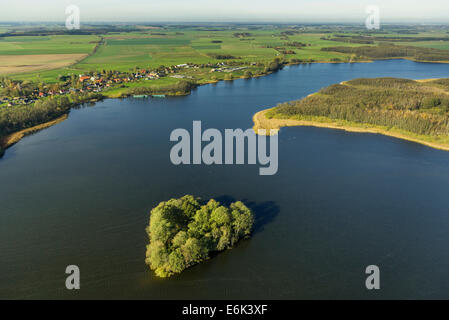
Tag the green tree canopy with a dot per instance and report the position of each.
(183, 232)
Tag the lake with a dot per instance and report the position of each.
(80, 193)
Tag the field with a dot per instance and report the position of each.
(58, 44)
(37, 53)
(36, 62)
(125, 51)
(45, 58)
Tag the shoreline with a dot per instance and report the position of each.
(262, 122)
(13, 138)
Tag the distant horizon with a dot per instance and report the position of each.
(242, 22)
(230, 11)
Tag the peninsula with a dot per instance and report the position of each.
(414, 110)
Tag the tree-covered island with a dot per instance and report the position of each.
(183, 232)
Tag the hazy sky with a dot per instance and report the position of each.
(428, 11)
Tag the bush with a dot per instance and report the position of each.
(222, 56)
(248, 74)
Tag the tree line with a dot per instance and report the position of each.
(16, 118)
(421, 108)
(385, 51)
(181, 87)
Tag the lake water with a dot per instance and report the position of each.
(80, 193)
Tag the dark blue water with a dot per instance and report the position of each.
(80, 192)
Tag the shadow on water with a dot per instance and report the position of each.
(264, 212)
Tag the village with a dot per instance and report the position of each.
(21, 93)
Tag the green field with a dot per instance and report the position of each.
(169, 45)
(146, 49)
(58, 44)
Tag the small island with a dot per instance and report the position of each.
(414, 110)
(184, 232)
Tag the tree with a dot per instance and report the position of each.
(157, 257)
(190, 205)
(180, 238)
(243, 219)
(223, 237)
(193, 252)
(160, 229)
(220, 216)
(176, 261)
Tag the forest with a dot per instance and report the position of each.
(417, 107)
(16, 118)
(183, 232)
(388, 50)
(370, 39)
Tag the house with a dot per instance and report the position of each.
(84, 78)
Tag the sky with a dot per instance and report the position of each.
(297, 11)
